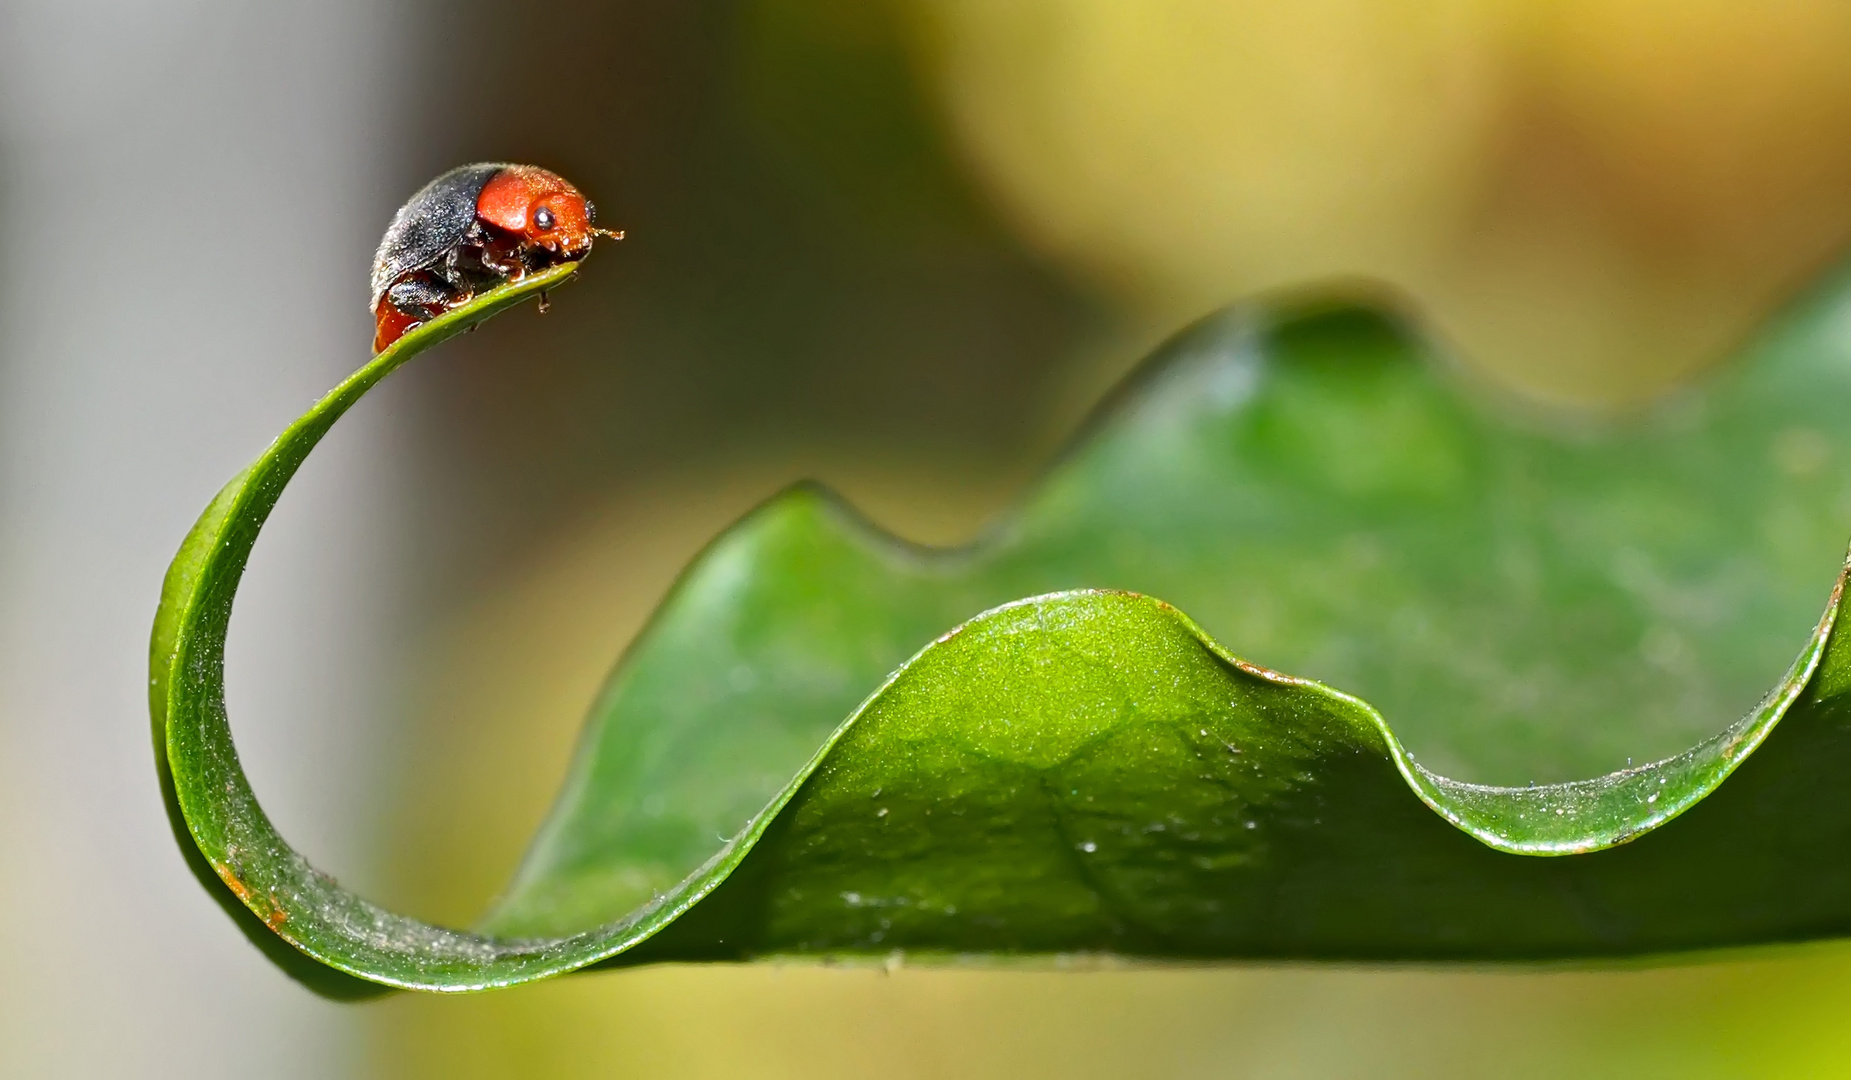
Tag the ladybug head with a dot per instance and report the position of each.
(541, 208)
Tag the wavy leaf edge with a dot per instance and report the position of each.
(207, 789)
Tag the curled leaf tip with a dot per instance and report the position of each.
(779, 767)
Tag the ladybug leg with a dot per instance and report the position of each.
(503, 261)
(538, 258)
(452, 270)
(420, 297)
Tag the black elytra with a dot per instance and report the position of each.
(431, 225)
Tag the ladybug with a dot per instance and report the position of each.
(469, 230)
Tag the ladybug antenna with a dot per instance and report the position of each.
(617, 235)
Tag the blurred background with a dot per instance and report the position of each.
(900, 245)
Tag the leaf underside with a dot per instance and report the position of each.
(1529, 602)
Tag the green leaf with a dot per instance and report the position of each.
(1531, 601)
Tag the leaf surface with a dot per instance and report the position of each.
(1530, 602)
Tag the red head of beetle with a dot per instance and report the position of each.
(540, 207)
(469, 230)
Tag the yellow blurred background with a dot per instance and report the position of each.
(1589, 197)
(900, 245)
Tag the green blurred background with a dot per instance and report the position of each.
(903, 246)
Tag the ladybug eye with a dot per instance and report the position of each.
(591, 212)
(543, 218)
